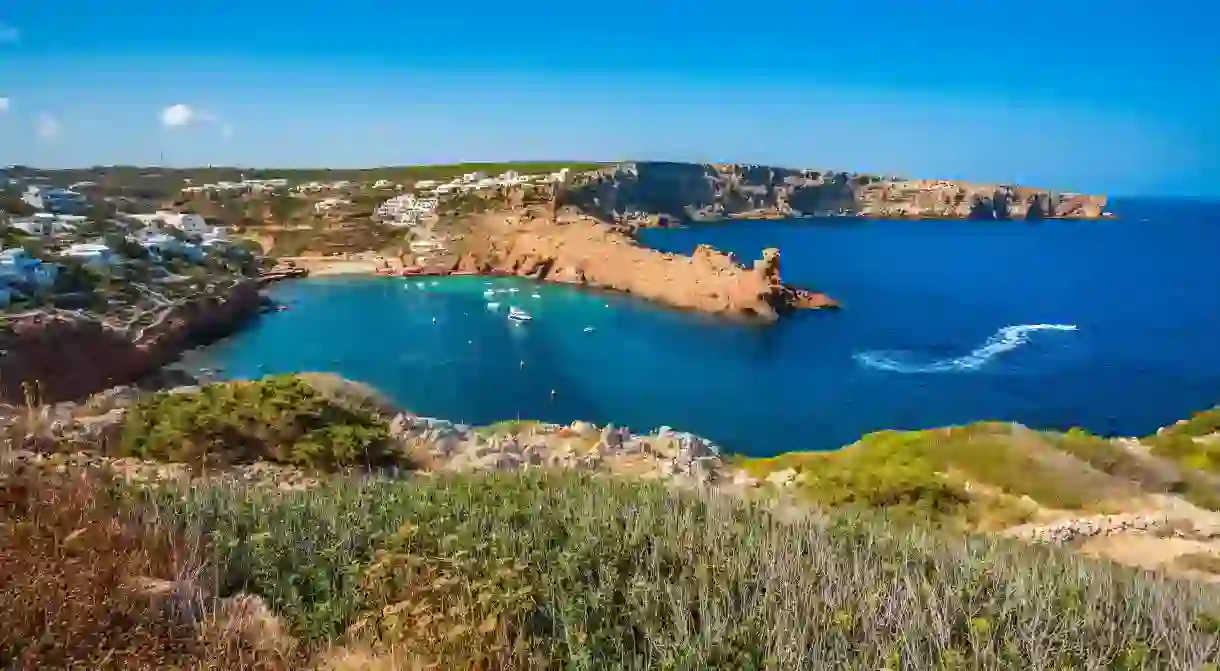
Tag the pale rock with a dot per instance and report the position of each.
(782, 478)
(584, 429)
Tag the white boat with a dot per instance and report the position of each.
(518, 315)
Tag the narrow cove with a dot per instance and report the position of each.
(1052, 325)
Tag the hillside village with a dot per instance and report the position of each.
(198, 226)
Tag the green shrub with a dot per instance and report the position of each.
(926, 474)
(1177, 442)
(280, 419)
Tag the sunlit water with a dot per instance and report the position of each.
(1113, 326)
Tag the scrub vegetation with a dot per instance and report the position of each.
(549, 572)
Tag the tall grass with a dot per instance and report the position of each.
(86, 582)
(573, 572)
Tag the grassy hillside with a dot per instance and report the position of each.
(989, 475)
(558, 572)
(539, 569)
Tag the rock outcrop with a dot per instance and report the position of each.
(656, 194)
(67, 356)
(579, 250)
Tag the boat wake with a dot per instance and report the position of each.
(1004, 340)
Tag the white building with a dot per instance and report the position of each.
(55, 200)
(92, 253)
(405, 210)
(189, 223)
(34, 225)
(328, 204)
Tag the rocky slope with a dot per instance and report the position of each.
(1130, 500)
(657, 193)
(65, 355)
(579, 250)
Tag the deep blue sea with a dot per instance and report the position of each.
(1109, 325)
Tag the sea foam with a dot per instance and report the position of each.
(1003, 340)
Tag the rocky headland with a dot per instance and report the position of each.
(574, 248)
(658, 193)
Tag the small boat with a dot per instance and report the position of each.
(518, 315)
(588, 329)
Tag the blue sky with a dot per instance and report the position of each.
(1117, 97)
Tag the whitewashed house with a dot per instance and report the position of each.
(40, 226)
(93, 254)
(55, 200)
(189, 223)
(328, 204)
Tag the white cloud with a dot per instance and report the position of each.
(9, 33)
(177, 115)
(4, 105)
(48, 127)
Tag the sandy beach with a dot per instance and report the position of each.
(352, 264)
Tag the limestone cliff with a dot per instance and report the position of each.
(654, 193)
(67, 356)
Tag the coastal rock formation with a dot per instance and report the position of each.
(656, 194)
(65, 355)
(578, 250)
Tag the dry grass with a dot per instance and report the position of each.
(84, 583)
(565, 572)
(574, 572)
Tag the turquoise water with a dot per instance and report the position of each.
(1114, 326)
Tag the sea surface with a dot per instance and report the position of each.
(1109, 325)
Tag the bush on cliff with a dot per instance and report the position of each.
(282, 419)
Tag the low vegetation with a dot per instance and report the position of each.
(556, 572)
(73, 557)
(1194, 443)
(986, 475)
(566, 570)
(281, 419)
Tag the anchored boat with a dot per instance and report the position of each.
(518, 315)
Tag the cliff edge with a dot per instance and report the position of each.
(657, 193)
(70, 355)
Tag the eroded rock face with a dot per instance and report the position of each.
(654, 193)
(580, 250)
(68, 357)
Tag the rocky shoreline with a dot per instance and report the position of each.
(59, 355)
